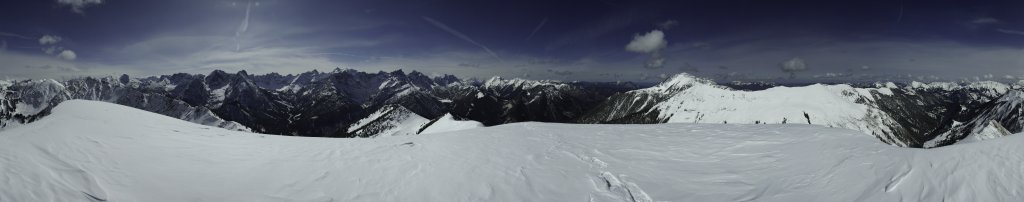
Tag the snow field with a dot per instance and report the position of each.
(95, 151)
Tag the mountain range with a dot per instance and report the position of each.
(350, 103)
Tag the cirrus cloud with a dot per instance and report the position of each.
(78, 5)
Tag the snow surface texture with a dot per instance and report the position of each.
(145, 157)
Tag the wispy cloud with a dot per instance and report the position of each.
(792, 66)
(19, 65)
(49, 39)
(1007, 31)
(242, 28)
(444, 27)
(884, 57)
(535, 29)
(666, 25)
(77, 6)
(6, 34)
(985, 20)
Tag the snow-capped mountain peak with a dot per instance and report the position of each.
(328, 104)
(908, 116)
(681, 81)
(518, 83)
(391, 120)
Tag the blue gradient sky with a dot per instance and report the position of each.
(564, 40)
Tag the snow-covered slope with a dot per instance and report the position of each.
(447, 123)
(391, 120)
(829, 105)
(687, 99)
(65, 157)
(992, 130)
(913, 115)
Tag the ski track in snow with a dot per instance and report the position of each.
(94, 151)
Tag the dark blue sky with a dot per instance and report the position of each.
(565, 40)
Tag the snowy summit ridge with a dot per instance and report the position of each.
(908, 117)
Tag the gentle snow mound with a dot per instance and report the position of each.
(95, 151)
(447, 123)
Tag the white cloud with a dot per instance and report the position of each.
(204, 49)
(648, 43)
(833, 75)
(67, 55)
(52, 49)
(644, 76)
(49, 39)
(885, 58)
(668, 24)
(19, 65)
(1007, 31)
(655, 61)
(792, 66)
(78, 5)
(168, 54)
(984, 20)
(651, 43)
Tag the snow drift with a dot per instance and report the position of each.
(142, 156)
